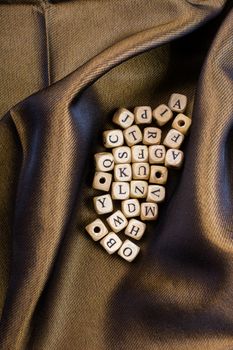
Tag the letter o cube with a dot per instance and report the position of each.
(128, 250)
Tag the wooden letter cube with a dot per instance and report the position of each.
(135, 229)
(128, 250)
(143, 115)
(139, 154)
(111, 243)
(102, 181)
(174, 158)
(103, 204)
(162, 114)
(132, 135)
(157, 154)
(158, 174)
(138, 189)
(173, 139)
(97, 229)
(152, 136)
(123, 118)
(156, 193)
(120, 190)
(177, 103)
(122, 155)
(141, 171)
(149, 211)
(104, 161)
(117, 221)
(113, 138)
(123, 172)
(182, 123)
(130, 208)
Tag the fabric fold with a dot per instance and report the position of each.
(57, 127)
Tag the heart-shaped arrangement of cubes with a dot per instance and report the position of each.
(134, 171)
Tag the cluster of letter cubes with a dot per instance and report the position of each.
(135, 172)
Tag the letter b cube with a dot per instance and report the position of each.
(111, 243)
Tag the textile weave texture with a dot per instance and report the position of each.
(66, 66)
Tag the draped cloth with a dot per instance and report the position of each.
(66, 66)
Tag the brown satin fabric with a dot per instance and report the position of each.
(59, 289)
